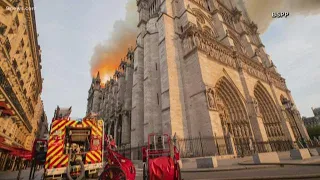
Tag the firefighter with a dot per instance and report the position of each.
(112, 143)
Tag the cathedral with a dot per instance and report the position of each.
(199, 68)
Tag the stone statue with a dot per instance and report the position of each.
(197, 40)
(256, 106)
(185, 44)
(247, 131)
(243, 131)
(210, 96)
(235, 131)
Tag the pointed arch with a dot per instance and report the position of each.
(268, 111)
(233, 114)
(203, 19)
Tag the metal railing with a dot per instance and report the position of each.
(315, 143)
(216, 146)
(128, 151)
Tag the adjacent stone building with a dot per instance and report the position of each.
(312, 121)
(43, 127)
(20, 78)
(199, 69)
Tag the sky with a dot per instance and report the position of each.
(70, 30)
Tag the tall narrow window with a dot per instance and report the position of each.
(156, 66)
(158, 98)
(17, 21)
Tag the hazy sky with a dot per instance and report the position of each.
(69, 30)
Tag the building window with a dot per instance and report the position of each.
(7, 45)
(158, 99)
(4, 131)
(17, 21)
(3, 28)
(15, 3)
(19, 75)
(25, 55)
(15, 65)
(22, 43)
(156, 66)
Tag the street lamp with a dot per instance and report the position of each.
(289, 106)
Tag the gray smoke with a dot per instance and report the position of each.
(260, 10)
(107, 56)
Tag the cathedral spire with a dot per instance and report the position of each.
(98, 76)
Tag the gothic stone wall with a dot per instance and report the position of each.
(213, 73)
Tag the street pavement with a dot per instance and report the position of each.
(9, 175)
(301, 172)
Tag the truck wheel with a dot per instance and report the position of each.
(95, 175)
(87, 174)
(113, 172)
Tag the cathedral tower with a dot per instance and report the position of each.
(201, 70)
(94, 95)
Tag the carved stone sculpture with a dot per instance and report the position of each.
(211, 99)
(256, 106)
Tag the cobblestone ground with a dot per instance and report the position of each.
(250, 173)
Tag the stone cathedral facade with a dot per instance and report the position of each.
(199, 67)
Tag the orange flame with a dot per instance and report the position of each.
(110, 61)
(107, 55)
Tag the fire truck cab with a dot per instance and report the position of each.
(74, 147)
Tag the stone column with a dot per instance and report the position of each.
(126, 128)
(14, 161)
(3, 163)
(221, 28)
(115, 129)
(126, 124)
(300, 125)
(256, 124)
(152, 100)
(286, 126)
(137, 98)
(109, 127)
(171, 98)
(287, 130)
(298, 119)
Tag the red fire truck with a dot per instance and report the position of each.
(74, 147)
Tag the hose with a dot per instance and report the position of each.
(82, 174)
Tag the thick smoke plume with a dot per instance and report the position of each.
(107, 56)
(260, 10)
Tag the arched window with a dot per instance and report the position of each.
(205, 23)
